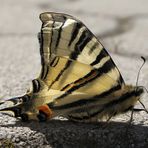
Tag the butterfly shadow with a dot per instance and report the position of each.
(59, 133)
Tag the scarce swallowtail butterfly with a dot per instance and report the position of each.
(78, 78)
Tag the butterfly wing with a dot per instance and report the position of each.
(72, 57)
(75, 63)
(78, 76)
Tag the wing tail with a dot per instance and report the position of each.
(13, 105)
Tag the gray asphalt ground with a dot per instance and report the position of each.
(122, 28)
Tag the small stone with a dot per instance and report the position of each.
(132, 145)
(9, 136)
(17, 140)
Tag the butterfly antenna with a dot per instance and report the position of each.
(144, 60)
(144, 108)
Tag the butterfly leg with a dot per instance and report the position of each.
(131, 118)
(132, 113)
(128, 127)
(107, 121)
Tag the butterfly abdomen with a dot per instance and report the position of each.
(92, 109)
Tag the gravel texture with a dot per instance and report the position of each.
(122, 28)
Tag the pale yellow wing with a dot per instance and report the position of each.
(72, 58)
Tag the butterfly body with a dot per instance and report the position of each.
(98, 107)
(78, 78)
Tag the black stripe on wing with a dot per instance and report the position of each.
(89, 100)
(44, 71)
(36, 85)
(102, 70)
(119, 100)
(99, 57)
(75, 32)
(50, 46)
(60, 73)
(93, 48)
(83, 40)
(105, 107)
(41, 42)
(54, 62)
(59, 31)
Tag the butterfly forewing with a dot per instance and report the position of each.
(73, 59)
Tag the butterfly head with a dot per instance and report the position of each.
(139, 90)
(133, 91)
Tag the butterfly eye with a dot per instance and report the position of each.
(54, 62)
(139, 90)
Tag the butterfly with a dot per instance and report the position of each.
(78, 78)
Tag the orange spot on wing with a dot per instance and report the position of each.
(46, 110)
